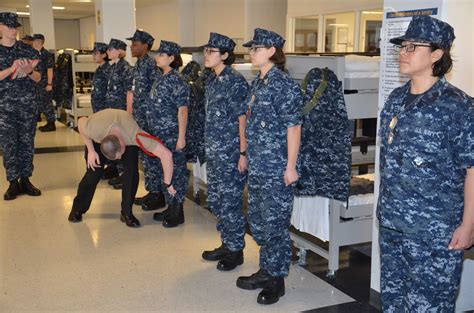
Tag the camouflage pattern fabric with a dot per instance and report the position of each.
(62, 81)
(99, 87)
(226, 100)
(418, 274)
(195, 149)
(267, 38)
(422, 172)
(325, 155)
(120, 81)
(45, 97)
(168, 93)
(274, 106)
(145, 72)
(18, 113)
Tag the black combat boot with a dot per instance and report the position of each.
(110, 172)
(217, 254)
(254, 281)
(75, 217)
(160, 216)
(144, 199)
(130, 220)
(28, 188)
(273, 290)
(13, 190)
(49, 127)
(231, 261)
(174, 218)
(155, 202)
(116, 182)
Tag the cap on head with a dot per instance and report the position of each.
(9, 19)
(267, 38)
(143, 37)
(424, 28)
(169, 47)
(117, 44)
(220, 42)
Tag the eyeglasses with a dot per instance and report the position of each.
(409, 47)
(254, 49)
(208, 51)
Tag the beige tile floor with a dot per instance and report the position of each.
(50, 265)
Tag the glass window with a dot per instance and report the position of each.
(370, 28)
(339, 32)
(306, 34)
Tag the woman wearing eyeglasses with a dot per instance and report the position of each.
(273, 133)
(426, 202)
(226, 148)
(167, 116)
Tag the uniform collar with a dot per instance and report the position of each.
(270, 74)
(431, 94)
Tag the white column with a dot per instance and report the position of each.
(42, 21)
(357, 32)
(115, 19)
(321, 32)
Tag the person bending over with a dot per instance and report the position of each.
(113, 134)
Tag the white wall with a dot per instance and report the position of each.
(161, 20)
(224, 17)
(268, 14)
(459, 16)
(313, 7)
(67, 34)
(87, 32)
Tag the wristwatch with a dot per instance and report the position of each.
(168, 185)
(243, 153)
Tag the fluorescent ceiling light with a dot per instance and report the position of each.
(372, 12)
(23, 13)
(54, 7)
(338, 25)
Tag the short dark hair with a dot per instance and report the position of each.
(230, 57)
(444, 64)
(110, 146)
(278, 58)
(177, 62)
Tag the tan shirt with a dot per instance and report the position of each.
(97, 126)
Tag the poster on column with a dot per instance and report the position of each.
(397, 16)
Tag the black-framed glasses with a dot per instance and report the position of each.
(254, 49)
(209, 51)
(409, 47)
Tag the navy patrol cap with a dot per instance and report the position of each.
(424, 28)
(143, 36)
(100, 47)
(267, 38)
(117, 44)
(169, 47)
(220, 42)
(38, 36)
(9, 19)
(27, 37)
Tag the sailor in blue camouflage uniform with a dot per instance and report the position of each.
(120, 79)
(145, 72)
(226, 94)
(44, 88)
(101, 77)
(120, 82)
(426, 201)
(273, 133)
(167, 114)
(18, 107)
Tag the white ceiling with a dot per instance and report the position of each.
(74, 9)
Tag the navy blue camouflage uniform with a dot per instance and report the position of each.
(226, 101)
(100, 81)
(274, 106)
(120, 79)
(18, 110)
(145, 72)
(326, 149)
(168, 93)
(45, 97)
(423, 162)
